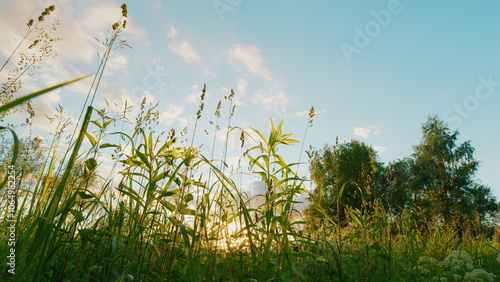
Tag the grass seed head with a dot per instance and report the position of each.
(124, 10)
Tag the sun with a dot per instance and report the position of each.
(232, 237)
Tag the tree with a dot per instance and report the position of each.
(398, 193)
(443, 177)
(352, 166)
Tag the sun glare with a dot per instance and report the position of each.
(232, 238)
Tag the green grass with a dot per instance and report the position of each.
(157, 218)
(166, 212)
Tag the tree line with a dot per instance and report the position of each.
(435, 183)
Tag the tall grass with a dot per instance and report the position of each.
(167, 212)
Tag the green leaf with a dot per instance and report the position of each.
(168, 205)
(107, 145)
(188, 198)
(188, 211)
(78, 215)
(84, 195)
(28, 97)
(91, 138)
(91, 164)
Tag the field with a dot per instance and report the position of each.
(138, 205)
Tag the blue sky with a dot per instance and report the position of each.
(373, 70)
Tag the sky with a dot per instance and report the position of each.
(373, 70)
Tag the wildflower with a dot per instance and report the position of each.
(479, 275)
(458, 261)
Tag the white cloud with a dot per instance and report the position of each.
(242, 86)
(305, 113)
(251, 58)
(365, 132)
(271, 99)
(194, 97)
(186, 51)
(116, 62)
(80, 24)
(172, 33)
(380, 149)
(172, 113)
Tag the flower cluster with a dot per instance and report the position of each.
(426, 264)
(458, 261)
(457, 266)
(479, 275)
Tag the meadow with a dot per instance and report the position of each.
(169, 211)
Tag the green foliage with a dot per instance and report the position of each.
(161, 211)
(442, 181)
(352, 166)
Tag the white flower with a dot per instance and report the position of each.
(479, 275)
(458, 261)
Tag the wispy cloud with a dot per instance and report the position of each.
(115, 63)
(250, 57)
(366, 132)
(271, 99)
(194, 97)
(305, 113)
(172, 33)
(173, 113)
(380, 149)
(184, 49)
